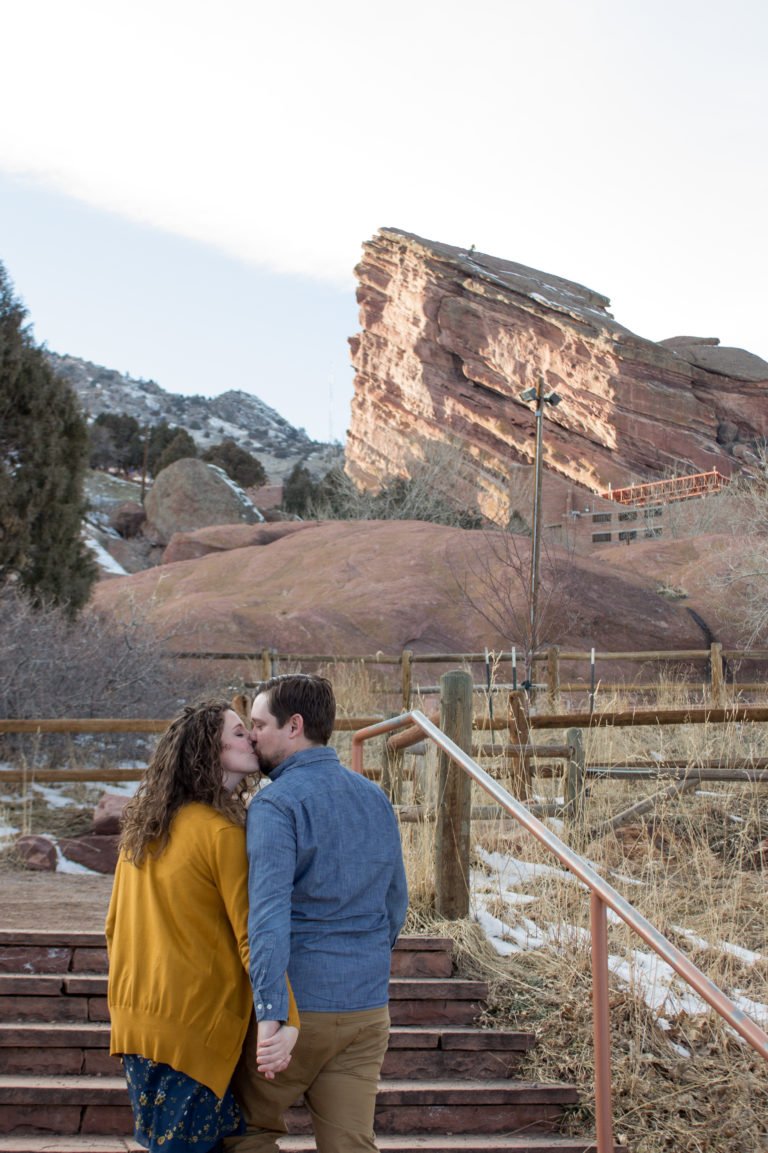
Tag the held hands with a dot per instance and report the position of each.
(274, 1046)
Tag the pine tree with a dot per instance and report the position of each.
(180, 447)
(161, 437)
(43, 457)
(125, 446)
(238, 464)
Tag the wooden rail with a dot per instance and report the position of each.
(524, 755)
(719, 665)
(135, 725)
(632, 718)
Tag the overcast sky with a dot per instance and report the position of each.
(185, 187)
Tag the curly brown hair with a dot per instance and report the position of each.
(185, 767)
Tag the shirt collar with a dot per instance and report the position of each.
(317, 754)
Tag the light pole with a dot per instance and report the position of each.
(541, 398)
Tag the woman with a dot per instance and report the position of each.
(177, 933)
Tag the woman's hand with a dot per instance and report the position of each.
(273, 1052)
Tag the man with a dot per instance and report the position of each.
(328, 897)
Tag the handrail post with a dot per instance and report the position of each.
(454, 799)
(601, 1024)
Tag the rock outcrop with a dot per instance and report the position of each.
(222, 538)
(450, 338)
(190, 494)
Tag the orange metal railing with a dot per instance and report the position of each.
(676, 488)
(602, 897)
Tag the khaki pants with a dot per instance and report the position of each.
(336, 1065)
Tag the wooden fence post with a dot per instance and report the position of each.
(454, 799)
(717, 680)
(519, 734)
(553, 678)
(266, 664)
(575, 776)
(392, 774)
(407, 678)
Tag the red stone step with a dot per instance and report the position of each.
(43, 1049)
(446, 1086)
(53, 951)
(460, 1107)
(83, 997)
(99, 1105)
(418, 1143)
(434, 1143)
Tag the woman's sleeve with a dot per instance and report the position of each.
(232, 871)
(293, 1012)
(230, 867)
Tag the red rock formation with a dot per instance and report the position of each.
(355, 587)
(450, 338)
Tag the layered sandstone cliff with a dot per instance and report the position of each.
(450, 338)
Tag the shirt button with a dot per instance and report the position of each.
(259, 1006)
(269, 1006)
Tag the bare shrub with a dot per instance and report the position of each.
(434, 483)
(497, 585)
(91, 667)
(745, 584)
(714, 513)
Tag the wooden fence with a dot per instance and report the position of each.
(504, 670)
(514, 752)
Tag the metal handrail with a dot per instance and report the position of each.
(602, 897)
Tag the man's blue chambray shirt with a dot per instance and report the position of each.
(327, 888)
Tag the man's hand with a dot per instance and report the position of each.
(275, 1043)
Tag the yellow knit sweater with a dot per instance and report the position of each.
(177, 934)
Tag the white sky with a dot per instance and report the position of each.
(185, 186)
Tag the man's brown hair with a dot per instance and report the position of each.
(310, 696)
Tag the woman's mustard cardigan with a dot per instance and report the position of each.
(177, 935)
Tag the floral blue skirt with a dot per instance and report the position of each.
(173, 1113)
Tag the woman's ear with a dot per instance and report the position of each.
(241, 703)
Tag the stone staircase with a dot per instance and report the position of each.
(446, 1084)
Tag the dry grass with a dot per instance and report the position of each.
(692, 865)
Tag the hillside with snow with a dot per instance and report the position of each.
(234, 415)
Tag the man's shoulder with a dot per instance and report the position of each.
(322, 777)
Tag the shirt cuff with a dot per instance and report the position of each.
(271, 1004)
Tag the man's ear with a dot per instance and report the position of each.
(296, 725)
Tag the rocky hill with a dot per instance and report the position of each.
(356, 587)
(233, 415)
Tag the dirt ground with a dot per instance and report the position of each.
(53, 900)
